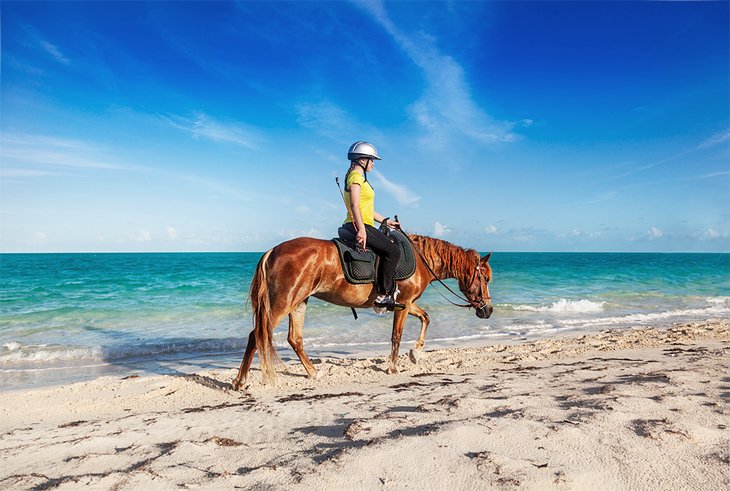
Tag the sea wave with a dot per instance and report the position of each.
(563, 306)
(718, 300)
(14, 354)
(651, 317)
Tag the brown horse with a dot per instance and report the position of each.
(291, 272)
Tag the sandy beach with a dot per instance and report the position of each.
(631, 409)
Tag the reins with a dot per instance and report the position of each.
(469, 303)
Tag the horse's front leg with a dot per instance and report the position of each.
(399, 321)
(418, 312)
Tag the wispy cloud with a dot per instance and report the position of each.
(710, 175)
(212, 185)
(36, 40)
(601, 198)
(327, 119)
(140, 236)
(715, 139)
(577, 233)
(400, 192)
(54, 51)
(25, 149)
(203, 126)
(447, 104)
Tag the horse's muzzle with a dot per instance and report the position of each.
(485, 312)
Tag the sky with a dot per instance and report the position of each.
(502, 126)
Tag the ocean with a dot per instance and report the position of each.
(70, 317)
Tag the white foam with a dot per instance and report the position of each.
(42, 354)
(11, 346)
(718, 300)
(54, 355)
(650, 317)
(564, 306)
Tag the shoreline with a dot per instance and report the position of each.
(19, 377)
(638, 408)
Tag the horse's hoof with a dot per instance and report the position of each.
(415, 356)
(237, 384)
(313, 375)
(392, 370)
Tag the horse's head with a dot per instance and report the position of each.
(476, 289)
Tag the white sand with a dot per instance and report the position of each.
(636, 409)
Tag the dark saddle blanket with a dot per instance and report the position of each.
(360, 267)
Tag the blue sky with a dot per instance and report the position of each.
(505, 126)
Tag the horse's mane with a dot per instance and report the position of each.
(452, 258)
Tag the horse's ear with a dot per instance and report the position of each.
(486, 258)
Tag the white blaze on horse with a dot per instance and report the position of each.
(293, 271)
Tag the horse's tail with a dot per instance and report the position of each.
(263, 330)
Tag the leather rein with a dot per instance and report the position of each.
(477, 270)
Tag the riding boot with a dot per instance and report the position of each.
(387, 302)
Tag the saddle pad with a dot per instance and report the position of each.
(359, 267)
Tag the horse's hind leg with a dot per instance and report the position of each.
(418, 312)
(240, 379)
(296, 326)
(399, 320)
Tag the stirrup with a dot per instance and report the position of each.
(388, 303)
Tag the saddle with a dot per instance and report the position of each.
(361, 267)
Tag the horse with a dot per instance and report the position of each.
(287, 275)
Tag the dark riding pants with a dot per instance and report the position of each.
(388, 252)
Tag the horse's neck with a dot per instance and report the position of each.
(445, 259)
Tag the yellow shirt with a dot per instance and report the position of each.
(367, 198)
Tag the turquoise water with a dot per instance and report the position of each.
(70, 316)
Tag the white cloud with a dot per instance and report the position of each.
(292, 233)
(440, 230)
(712, 234)
(400, 192)
(213, 186)
(329, 120)
(715, 139)
(655, 233)
(204, 126)
(577, 233)
(54, 52)
(62, 152)
(601, 198)
(38, 238)
(446, 103)
(491, 230)
(11, 173)
(170, 232)
(140, 236)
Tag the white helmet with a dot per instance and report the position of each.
(362, 149)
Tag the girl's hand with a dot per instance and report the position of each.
(361, 237)
(393, 223)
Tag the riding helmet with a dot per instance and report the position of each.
(362, 149)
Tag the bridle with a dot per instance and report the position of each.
(480, 298)
(478, 304)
